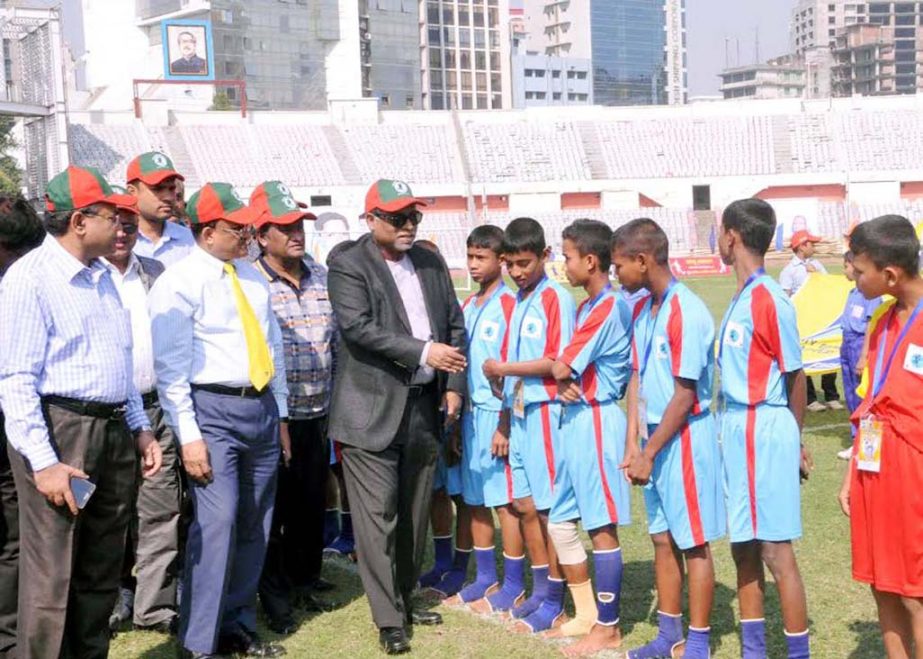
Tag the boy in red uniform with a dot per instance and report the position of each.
(884, 498)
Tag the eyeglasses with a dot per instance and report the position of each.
(240, 234)
(111, 219)
(129, 229)
(398, 220)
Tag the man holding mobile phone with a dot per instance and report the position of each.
(66, 388)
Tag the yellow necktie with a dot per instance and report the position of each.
(261, 367)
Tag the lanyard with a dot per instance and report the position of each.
(525, 312)
(881, 376)
(480, 310)
(752, 278)
(650, 339)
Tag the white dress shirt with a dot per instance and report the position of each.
(795, 274)
(199, 337)
(134, 298)
(408, 285)
(174, 245)
(64, 332)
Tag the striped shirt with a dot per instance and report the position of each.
(174, 245)
(64, 333)
(309, 336)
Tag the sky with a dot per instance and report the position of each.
(710, 22)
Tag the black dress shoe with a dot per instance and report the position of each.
(321, 585)
(424, 618)
(246, 644)
(393, 640)
(306, 600)
(283, 626)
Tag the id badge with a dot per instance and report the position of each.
(868, 457)
(519, 400)
(642, 418)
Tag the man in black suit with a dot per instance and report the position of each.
(402, 356)
(190, 63)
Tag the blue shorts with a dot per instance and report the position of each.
(486, 480)
(590, 486)
(685, 494)
(534, 457)
(447, 478)
(762, 456)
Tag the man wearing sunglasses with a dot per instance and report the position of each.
(153, 542)
(401, 357)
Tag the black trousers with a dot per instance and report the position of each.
(9, 551)
(389, 496)
(296, 541)
(828, 384)
(69, 566)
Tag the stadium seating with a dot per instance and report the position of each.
(422, 154)
(107, 147)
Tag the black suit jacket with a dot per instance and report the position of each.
(378, 353)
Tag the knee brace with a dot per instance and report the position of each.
(567, 543)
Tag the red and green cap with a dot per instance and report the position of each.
(390, 196)
(272, 203)
(79, 187)
(218, 201)
(152, 168)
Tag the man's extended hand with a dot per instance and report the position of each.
(493, 369)
(151, 453)
(446, 358)
(54, 483)
(632, 451)
(285, 439)
(640, 468)
(451, 406)
(195, 462)
(807, 463)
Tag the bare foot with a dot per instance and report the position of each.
(522, 628)
(483, 606)
(600, 638)
(455, 601)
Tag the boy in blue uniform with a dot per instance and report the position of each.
(763, 395)
(542, 324)
(486, 479)
(854, 349)
(678, 459)
(592, 374)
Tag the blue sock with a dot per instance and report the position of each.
(331, 525)
(443, 554)
(608, 565)
(669, 635)
(551, 608)
(513, 584)
(485, 578)
(798, 647)
(453, 580)
(697, 644)
(539, 589)
(753, 638)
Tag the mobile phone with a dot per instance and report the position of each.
(82, 489)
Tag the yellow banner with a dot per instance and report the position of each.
(819, 305)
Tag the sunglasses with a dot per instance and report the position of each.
(398, 220)
(129, 229)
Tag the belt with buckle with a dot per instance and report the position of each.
(150, 398)
(87, 407)
(238, 392)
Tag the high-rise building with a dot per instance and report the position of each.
(637, 47)
(815, 22)
(292, 54)
(782, 77)
(465, 62)
(868, 61)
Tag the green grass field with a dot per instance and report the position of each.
(842, 613)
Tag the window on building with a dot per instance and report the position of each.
(435, 58)
(432, 13)
(556, 96)
(467, 102)
(464, 16)
(831, 20)
(464, 59)
(479, 22)
(482, 101)
(480, 81)
(466, 81)
(496, 100)
(495, 61)
(321, 200)
(448, 15)
(480, 61)
(540, 96)
(831, 7)
(581, 75)
(904, 8)
(385, 101)
(435, 38)
(464, 37)
(437, 102)
(539, 73)
(556, 74)
(495, 81)
(528, 73)
(435, 79)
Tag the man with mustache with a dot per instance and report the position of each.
(402, 356)
(298, 294)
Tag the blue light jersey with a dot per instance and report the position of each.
(679, 343)
(541, 326)
(600, 352)
(488, 338)
(759, 344)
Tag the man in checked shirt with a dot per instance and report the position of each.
(298, 286)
